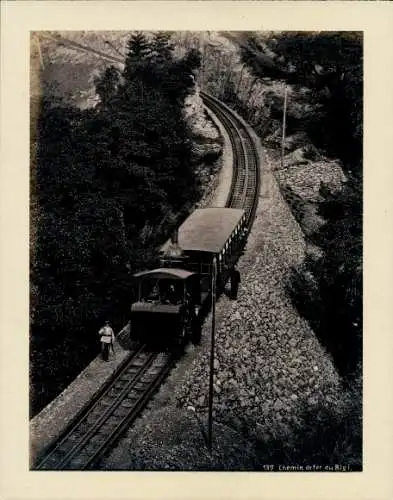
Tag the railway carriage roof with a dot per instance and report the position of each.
(164, 272)
(208, 229)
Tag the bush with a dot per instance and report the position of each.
(108, 182)
(328, 290)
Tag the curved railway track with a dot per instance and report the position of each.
(246, 169)
(121, 400)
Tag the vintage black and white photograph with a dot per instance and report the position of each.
(196, 272)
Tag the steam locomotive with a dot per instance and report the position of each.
(172, 299)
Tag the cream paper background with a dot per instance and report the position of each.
(376, 20)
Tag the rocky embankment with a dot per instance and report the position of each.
(269, 365)
(304, 168)
(276, 389)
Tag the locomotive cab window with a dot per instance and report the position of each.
(149, 290)
(171, 291)
(166, 291)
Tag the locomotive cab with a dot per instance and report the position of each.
(165, 312)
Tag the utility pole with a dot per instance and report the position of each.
(214, 287)
(284, 123)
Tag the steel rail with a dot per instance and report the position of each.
(246, 179)
(77, 448)
(82, 417)
(130, 417)
(42, 458)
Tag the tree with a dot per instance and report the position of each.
(331, 64)
(139, 54)
(107, 85)
(111, 181)
(162, 47)
(328, 290)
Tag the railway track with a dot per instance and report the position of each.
(121, 400)
(94, 431)
(246, 177)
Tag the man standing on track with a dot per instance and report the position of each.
(107, 338)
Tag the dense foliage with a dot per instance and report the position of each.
(331, 65)
(327, 289)
(110, 183)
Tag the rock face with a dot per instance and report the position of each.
(305, 180)
(208, 151)
(194, 113)
(205, 136)
(304, 169)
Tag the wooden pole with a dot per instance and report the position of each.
(284, 123)
(210, 423)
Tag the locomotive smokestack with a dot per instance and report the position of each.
(174, 252)
(173, 256)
